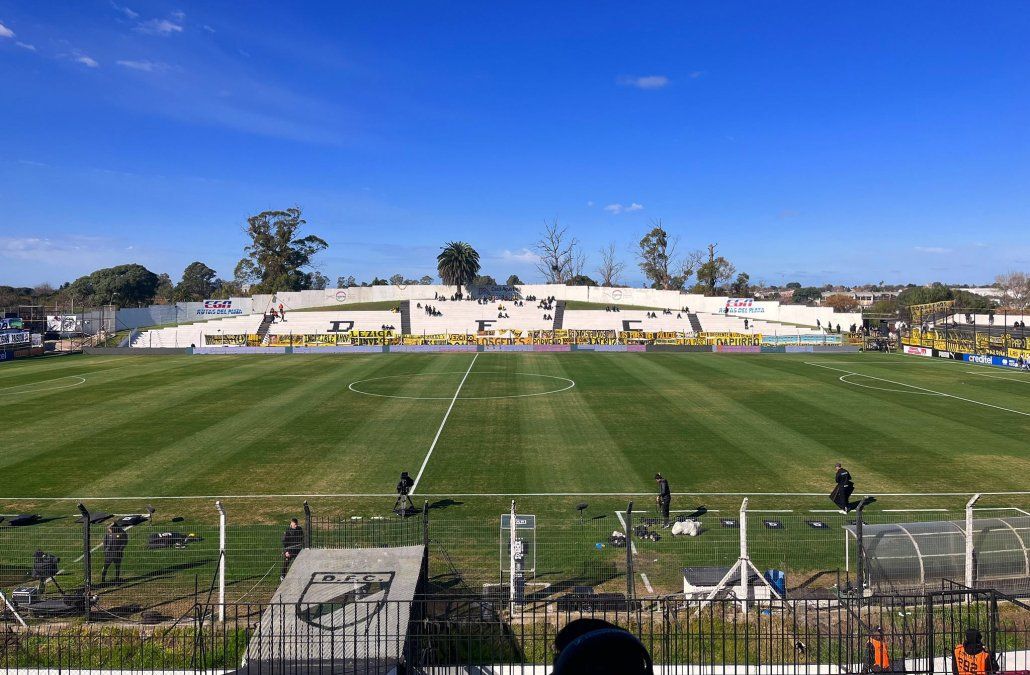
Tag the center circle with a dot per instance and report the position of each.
(388, 385)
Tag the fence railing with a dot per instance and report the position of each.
(488, 633)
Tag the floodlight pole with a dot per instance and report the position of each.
(221, 560)
(970, 549)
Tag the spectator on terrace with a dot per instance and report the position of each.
(293, 543)
(273, 314)
(282, 312)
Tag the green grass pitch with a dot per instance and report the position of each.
(711, 423)
(526, 424)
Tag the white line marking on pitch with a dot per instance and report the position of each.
(444, 422)
(632, 544)
(325, 495)
(902, 384)
(22, 390)
(995, 377)
(647, 583)
(911, 510)
(350, 386)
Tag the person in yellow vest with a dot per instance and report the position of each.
(972, 658)
(878, 658)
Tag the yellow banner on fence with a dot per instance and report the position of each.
(921, 311)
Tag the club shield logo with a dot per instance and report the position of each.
(335, 600)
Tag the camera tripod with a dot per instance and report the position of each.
(403, 506)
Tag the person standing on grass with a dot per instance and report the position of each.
(293, 544)
(664, 498)
(842, 491)
(115, 541)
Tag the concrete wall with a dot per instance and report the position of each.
(646, 297)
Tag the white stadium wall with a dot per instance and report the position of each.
(645, 297)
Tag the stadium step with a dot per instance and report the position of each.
(406, 317)
(559, 313)
(262, 330)
(695, 323)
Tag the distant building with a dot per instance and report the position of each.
(864, 298)
(985, 291)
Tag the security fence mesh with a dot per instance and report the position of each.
(172, 550)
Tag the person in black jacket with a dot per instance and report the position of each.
(842, 490)
(664, 498)
(293, 543)
(115, 541)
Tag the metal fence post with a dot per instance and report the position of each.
(970, 549)
(221, 561)
(630, 590)
(87, 563)
(307, 524)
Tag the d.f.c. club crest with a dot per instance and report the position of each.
(335, 600)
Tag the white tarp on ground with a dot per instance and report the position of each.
(339, 610)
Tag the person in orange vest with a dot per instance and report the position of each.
(877, 658)
(972, 658)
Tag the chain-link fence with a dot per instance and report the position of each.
(151, 561)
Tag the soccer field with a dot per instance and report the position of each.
(550, 430)
(497, 423)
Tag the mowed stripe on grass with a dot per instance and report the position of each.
(711, 423)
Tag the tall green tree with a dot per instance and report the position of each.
(716, 270)
(458, 264)
(122, 285)
(277, 256)
(514, 280)
(654, 256)
(198, 282)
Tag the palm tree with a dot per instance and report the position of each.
(458, 263)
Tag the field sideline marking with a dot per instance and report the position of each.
(902, 384)
(444, 422)
(995, 377)
(339, 495)
(632, 542)
(647, 583)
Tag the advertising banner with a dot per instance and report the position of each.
(742, 306)
(219, 308)
(66, 323)
(991, 360)
(740, 349)
(14, 338)
(918, 351)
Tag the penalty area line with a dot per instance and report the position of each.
(442, 424)
(922, 389)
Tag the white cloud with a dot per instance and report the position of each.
(87, 61)
(25, 45)
(523, 256)
(159, 27)
(125, 10)
(644, 81)
(208, 28)
(590, 203)
(616, 209)
(932, 249)
(6, 32)
(179, 15)
(145, 66)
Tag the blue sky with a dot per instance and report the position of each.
(818, 142)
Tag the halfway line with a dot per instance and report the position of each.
(440, 430)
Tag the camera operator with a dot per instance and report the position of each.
(404, 485)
